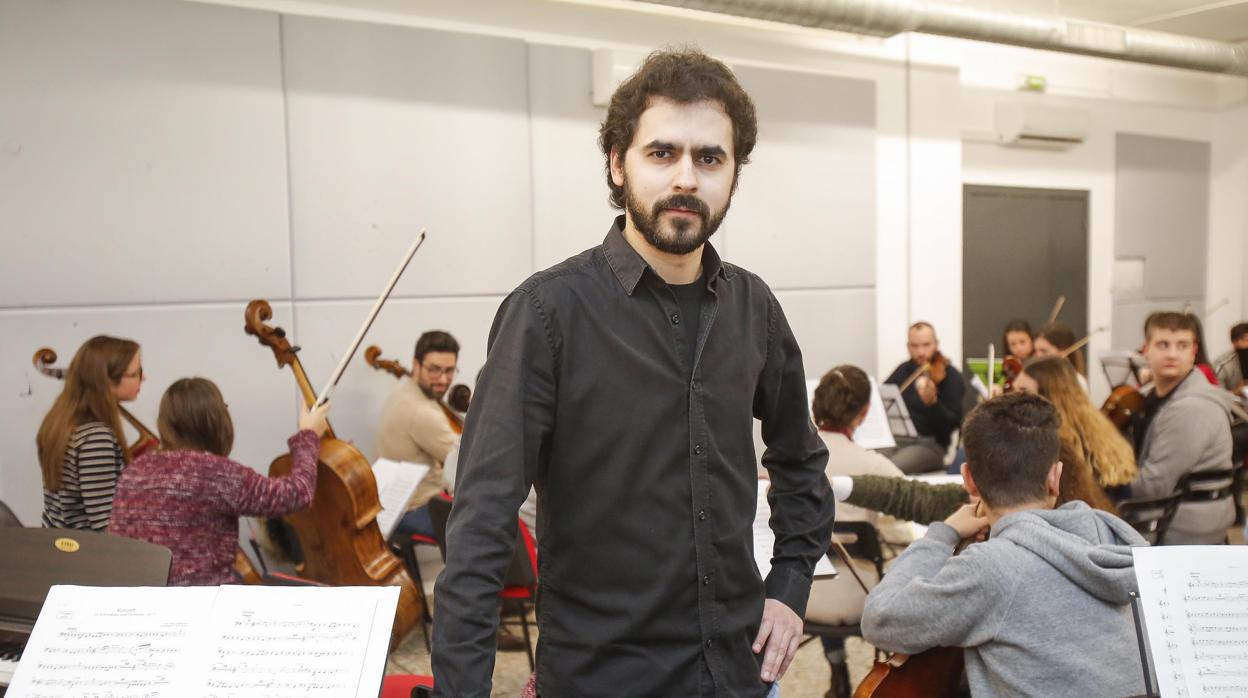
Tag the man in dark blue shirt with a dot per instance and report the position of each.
(622, 384)
(935, 406)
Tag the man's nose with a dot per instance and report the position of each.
(686, 178)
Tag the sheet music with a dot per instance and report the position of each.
(396, 481)
(899, 422)
(765, 538)
(115, 642)
(874, 431)
(1195, 601)
(208, 642)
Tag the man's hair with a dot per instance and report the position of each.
(435, 340)
(1238, 331)
(1011, 442)
(923, 325)
(684, 76)
(1169, 320)
(193, 417)
(841, 395)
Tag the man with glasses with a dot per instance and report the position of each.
(415, 429)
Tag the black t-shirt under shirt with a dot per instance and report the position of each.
(689, 298)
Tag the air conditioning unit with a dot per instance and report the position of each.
(1040, 126)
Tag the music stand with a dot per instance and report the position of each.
(899, 421)
(1151, 689)
(1121, 366)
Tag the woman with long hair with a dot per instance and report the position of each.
(1096, 456)
(189, 495)
(81, 446)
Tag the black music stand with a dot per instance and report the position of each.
(1151, 689)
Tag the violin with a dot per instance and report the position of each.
(341, 542)
(43, 360)
(458, 397)
(1011, 366)
(936, 368)
(1122, 406)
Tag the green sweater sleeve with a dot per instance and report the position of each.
(910, 500)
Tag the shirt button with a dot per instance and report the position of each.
(706, 581)
(675, 319)
(709, 642)
(702, 515)
(697, 449)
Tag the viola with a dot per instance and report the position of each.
(937, 368)
(341, 542)
(43, 360)
(1011, 366)
(457, 398)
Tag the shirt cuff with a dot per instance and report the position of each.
(842, 486)
(790, 587)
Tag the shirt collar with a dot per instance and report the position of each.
(629, 266)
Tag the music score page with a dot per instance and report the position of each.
(208, 642)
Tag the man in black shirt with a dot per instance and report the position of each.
(622, 384)
(935, 406)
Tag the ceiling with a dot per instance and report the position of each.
(1224, 20)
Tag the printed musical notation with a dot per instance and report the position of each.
(1194, 599)
(765, 538)
(208, 642)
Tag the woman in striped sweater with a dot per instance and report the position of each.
(82, 449)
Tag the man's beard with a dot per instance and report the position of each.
(431, 392)
(686, 237)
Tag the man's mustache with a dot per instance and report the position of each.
(685, 201)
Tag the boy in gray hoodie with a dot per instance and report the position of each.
(1042, 606)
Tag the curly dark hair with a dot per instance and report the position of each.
(684, 76)
(840, 397)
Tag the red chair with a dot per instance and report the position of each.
(406, 686)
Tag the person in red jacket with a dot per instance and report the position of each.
(188, 496)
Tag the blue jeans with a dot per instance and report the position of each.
(775, 690)
(415, 521)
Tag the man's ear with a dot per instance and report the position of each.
(617, 167)
(1053, 481)
(968, 481)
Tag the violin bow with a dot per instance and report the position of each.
(1057, 309)
(1079, 345)
(368, 322)
(927, 366)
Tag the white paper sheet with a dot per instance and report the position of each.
(1195, 601)
(765, 538)
(208, 642)
(396, 481)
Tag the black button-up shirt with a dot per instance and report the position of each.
(646, 482)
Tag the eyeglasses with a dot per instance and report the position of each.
(138, 374)
(438, 371)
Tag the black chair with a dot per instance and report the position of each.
(827, 614)
(1151, 516)
(7, 518)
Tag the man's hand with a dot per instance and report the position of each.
(780, 633)
(926, 388)
(967, 523)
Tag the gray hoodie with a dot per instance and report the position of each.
(1191, 433)
(1042, 607)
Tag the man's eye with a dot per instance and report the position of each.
(661, 154)
(710, 160)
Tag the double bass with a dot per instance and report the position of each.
(43, 360)
(341, 542)
(457, 398)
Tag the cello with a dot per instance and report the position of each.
(43, 360)
(458, 397)
(341, 542)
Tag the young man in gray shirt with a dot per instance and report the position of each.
(1042, 606)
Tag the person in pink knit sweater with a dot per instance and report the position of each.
(188, 495)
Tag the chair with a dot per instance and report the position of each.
(1151, 516)
(406, 550)
(519, 585)
(835, 606)
(406, 686)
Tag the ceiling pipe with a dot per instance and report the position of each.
(889, 17)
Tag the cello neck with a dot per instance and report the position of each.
(145, 434)
(306, 392)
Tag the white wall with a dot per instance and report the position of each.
(162, 163)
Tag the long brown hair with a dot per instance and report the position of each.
(86, 396)
(1095, 448)
(193, 417)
